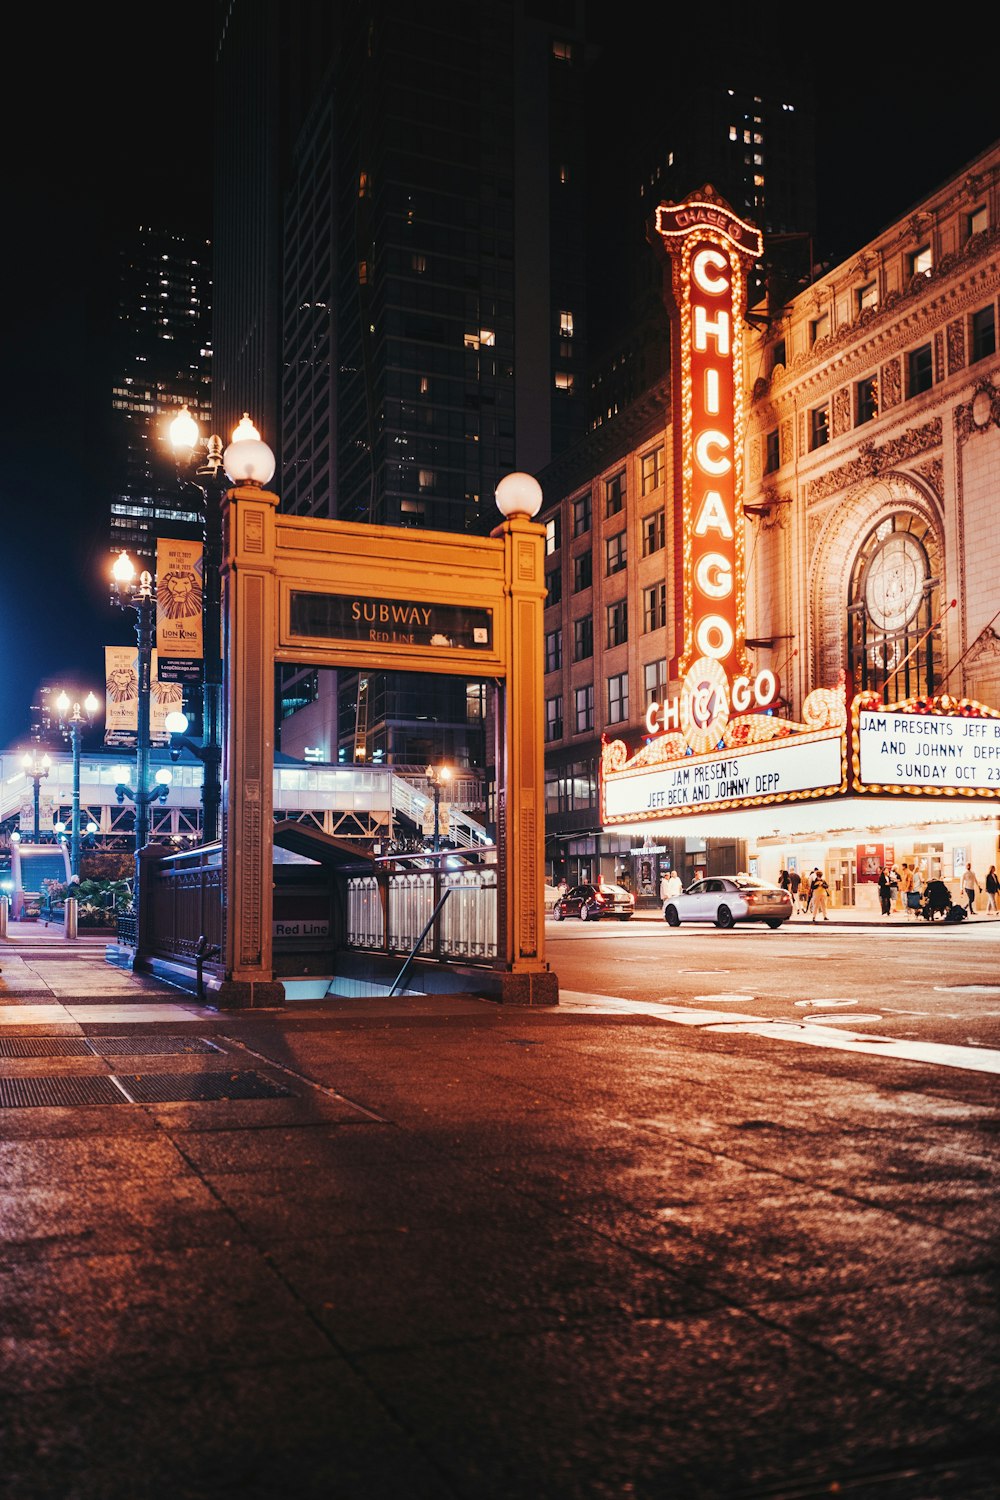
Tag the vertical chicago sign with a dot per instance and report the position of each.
(710, 251)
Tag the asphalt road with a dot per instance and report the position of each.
(933, 985)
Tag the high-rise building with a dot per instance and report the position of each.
(162, 362)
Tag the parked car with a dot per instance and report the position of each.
(591, 902)
(728, 899)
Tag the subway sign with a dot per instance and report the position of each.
(385, 621)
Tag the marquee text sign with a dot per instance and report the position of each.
(806, 765)
(927, 753)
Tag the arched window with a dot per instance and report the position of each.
(893, 603)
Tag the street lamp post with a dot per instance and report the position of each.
(438, 777)
(140, 598)
(36, 770)
(211, 481)
(71, 721)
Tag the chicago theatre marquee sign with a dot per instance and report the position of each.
(723, 742)
(720, 742)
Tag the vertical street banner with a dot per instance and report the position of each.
(121, 673)
(166, 698)
(121, 686)
(179, 593)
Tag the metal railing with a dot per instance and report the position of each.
(388, 913)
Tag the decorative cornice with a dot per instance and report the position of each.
(873, 461)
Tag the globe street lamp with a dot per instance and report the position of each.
(438, 777)
(140, 598)
(71, 722)
(36, 770)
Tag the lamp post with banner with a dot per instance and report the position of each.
(72, 718)
(36, 769)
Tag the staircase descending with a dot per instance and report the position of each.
(33, 864)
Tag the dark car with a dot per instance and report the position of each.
(591, 902)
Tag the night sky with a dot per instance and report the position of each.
(112, 142)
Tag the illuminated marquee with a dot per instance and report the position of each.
(938, 747)
(710, 250)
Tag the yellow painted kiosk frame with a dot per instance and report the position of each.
(344, 595)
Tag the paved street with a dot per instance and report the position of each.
(432, 1247)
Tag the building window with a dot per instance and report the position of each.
(583, 699)
(564, 380)
(615, 553)
(819, 328)
(553, 587)
(583, 639)
(654, 607)
(867, 295)
(778, 354)
(984, 333)
(652, 470)
(617, 622)
(552, 530)
(553, 719)
(618, 698)
(581, 514)
(562, 51)
(553, 650)
(654, 680)
(976, 221)
(772, 452)
(654, 530)
(920, 261)
(614, 494)
(566, 325)
(919, 370)
(866, 400)
(819, 427)
(583, 572)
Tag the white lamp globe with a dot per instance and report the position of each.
(176, 722)
(164, 776)
(519, 495)
(248, 460)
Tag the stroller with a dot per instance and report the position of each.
(937, 904)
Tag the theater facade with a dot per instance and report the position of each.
(806, 671)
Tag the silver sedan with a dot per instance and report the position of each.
(728, 899)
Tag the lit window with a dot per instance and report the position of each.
(866, 399)
(425, 385)
(363, 185)
(419, 263)
(472, 341)
(487, 338)
(654, 533)
(977, 221)
(562, 51)
(920, 261)
(652, 471)
(563, 173)
(867, 295)
(615, 552)
(564, 380)
(733, 133)
(654, 675)
(654, 607)
(552, 535)
(566, 325)
(819, 427)
(427, 478)
(362, 273)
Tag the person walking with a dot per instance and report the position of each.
(794, 881)
(805, 892)
(970, 885)
(893, 888)
(783, 878)
(992, 884)
(674, 886)
(820, 891)
(917, 891)
(884, 891)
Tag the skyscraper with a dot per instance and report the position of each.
(162, 361)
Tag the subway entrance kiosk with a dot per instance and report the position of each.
(341, 594)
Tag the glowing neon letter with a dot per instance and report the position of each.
(706, 463)
(715, 286)
(713, 516)
(713, 637)
(704, 329)
(712, 392)
(714, 575)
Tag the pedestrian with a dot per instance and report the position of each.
(674, 886)
(884, 891)
(992, 887)
(970, 885)
(805, 891)
(893, 888)
(794, 881)
(916, 896)
(783, 878)
(818, 896)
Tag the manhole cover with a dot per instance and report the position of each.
(44, 1046)
(149, 1046)
(28, 1093)
(194, 1088)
